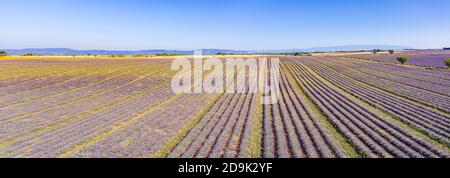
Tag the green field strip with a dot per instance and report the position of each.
(256, 135)
(346, 144)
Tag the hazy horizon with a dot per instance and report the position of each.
(230, 24)
(143, 49)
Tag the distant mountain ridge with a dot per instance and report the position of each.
(341, 48)
(68, 51)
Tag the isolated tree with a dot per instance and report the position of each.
(447, 62)
(3, 53)
(402, 59)
(28, 54)
(391, 51)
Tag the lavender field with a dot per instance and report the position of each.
(428, 58)
(329, 107)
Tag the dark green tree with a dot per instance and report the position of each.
(3, 53)
(447, 62)
(403, 59)
(391, 51)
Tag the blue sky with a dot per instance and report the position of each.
(230, 24)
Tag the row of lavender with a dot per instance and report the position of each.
(428, 91)
(370, 133)
(431, 58)
(432, 122)
(45, 121)
(292, 128)
(224, 130)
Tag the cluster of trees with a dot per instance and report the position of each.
(139, 55)
(3, 53)
(167, 54)
(302, 54)
(375, 51)
(222, 53)
(118, 55)
(297, 54)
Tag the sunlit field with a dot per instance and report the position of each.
(330, 106)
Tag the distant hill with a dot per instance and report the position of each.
(67, 51)
(337, 48)
(356, 48)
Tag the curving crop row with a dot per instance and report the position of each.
(145, 137)
(65, 113)
(434, 123)
(71, 96)
(429, 98)
(41, 77)
(54, 142)
(372, 135)
(424, 84)
(415, 73)
(419, 58)
(292, 129)
(84, 79)
(224, 130)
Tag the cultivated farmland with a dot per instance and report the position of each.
(428, 58)
(328, 107)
